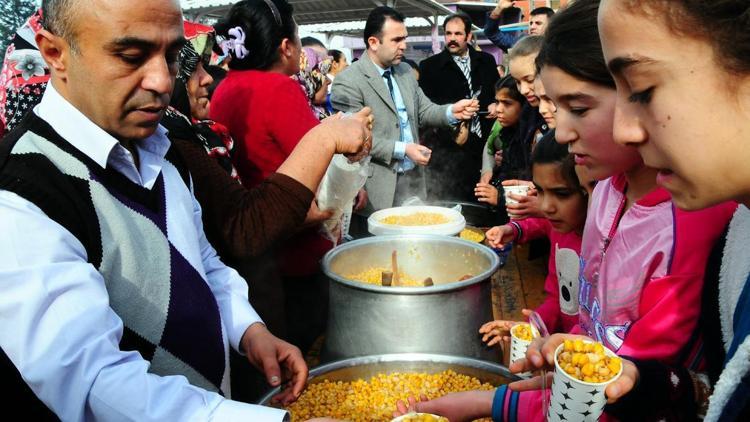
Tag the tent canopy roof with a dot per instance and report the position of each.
(323, 11)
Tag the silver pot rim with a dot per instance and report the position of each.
(439, 288)
(400, 357)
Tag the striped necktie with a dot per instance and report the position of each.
(463, 64)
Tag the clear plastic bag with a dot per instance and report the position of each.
(337, 191)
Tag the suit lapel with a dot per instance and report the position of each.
(376, 81)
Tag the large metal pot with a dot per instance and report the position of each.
(365, 367)
(366, 319)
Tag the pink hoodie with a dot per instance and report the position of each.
(641, 280)
(642, 270)
(560, 307)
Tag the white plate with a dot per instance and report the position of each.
(408, 415)
(456, 222)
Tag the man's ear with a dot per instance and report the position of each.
(469, 37)
(54, 50)
(373, 42)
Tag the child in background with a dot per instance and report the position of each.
(642, 260)
(504, 133)
(563, 200)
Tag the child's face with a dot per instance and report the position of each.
(523, 71)
(688, 117)
(547, 107)
(585, 112)
(508, 109)
(562, 204)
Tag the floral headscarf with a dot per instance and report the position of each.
(313, 70)
(24, 75)
(213, 136)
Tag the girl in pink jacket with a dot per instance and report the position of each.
(563, 200)
(642, 261)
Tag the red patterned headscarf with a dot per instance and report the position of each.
(24, 75)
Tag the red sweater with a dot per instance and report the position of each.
(267, 114)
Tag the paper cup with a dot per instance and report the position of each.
(522, 190)
(518, 347)
(573, 400)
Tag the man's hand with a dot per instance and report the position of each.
(360, 202)
(465, 109)
(486, 193)
(352, 134)
(501, 5)
(499, 236)
(277, 359)
(420, 154)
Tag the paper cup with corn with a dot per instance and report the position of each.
(583, 369)
(520, 339)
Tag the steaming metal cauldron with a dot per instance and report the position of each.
(367, 319)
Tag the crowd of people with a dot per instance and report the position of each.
(162, 238)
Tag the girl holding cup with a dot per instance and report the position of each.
(563, 201)
(642, 260)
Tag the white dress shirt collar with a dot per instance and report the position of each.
(99, 145)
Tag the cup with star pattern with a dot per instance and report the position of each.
(583, 369)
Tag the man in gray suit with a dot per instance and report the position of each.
(380, 81)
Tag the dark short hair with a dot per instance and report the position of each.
(464, 18)
(263, 33)
(57, 18)
(543, 11)
(571, 43)
(724, 24)
(312, 42)
(376, 19)
(336, 55)
(507, 82)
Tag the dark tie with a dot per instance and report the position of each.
(387, 76)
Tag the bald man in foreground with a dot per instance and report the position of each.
(114, 306)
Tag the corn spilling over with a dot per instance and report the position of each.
(375, 400)
(586, 361)
(471, 235)
(374, 276)
(423, 417)
(522, 332)
(416, 219)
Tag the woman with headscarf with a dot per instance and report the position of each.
(244, 223)
(312, 76)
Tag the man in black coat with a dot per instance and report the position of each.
(456, 73)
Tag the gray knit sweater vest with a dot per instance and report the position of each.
(170, 315)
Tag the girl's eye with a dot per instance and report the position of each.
(579, 111)
(643, 97)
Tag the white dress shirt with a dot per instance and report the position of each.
(57, 325)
